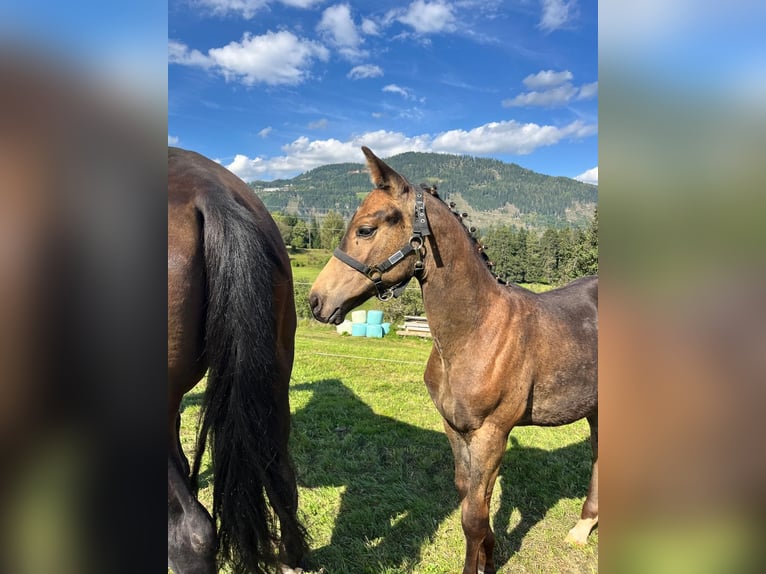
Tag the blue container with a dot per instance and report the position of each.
(386, 327)
(374, 317)
(375, 331)
(359, 329)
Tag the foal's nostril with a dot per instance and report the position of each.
(314, 303)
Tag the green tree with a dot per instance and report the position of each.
(572, 241)
(550, 256)
(534, 259)
(333, 228)
(587, 263)
(300, 235)
(314, 237)
(499, 239)
(284, 226)
(518, 270)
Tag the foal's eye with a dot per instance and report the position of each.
(366, 231)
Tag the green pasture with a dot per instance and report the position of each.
(375, 468)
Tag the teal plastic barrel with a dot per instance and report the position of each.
(359, 329)
(374, 317)
(375, 331)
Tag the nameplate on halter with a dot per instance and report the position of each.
(396, 257)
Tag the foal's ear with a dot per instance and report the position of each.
(382, 176)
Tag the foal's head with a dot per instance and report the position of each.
(379, 232)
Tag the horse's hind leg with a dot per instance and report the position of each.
(191, 535)
(589, 516)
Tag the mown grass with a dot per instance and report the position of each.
(375, 469)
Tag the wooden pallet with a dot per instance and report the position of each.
(415, 326)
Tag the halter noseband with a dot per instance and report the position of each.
(375, 272)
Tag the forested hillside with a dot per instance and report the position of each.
(510, 192)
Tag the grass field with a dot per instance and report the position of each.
(375, 468)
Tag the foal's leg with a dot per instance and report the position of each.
(589, 516)
(486, 447)
(462, 459)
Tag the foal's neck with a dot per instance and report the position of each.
(458, 287)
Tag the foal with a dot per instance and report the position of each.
(502, 356)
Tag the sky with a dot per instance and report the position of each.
(274, 88)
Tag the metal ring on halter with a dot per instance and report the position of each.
(386, 295)
(374, 274)
(416, 242)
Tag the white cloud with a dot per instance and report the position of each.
(338, 27)
(429, 18)
(365, 71)
(179, 53)
(557, 90)
(303, 154)
(557, 96)
(248, 8)
(547, 79)
(556, 14)
(245, 8)
(172, 140)
(589, 176)
(508, 137)
(319, 124)
(406, 93)
(248, 169)
(370, 27)
(264, 133)
(274, 58)
(301, 3)
(588, 91)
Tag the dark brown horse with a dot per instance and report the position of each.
(231, 314)
(502, 356)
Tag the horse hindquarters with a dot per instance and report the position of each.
(244, 406)
(191, 533)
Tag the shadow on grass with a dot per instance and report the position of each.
(398, 481)
(533, 481)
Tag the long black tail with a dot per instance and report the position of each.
(240, 411)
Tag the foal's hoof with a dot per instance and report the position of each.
(285, 569)
(580, 532)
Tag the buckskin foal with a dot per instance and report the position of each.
(502, 356)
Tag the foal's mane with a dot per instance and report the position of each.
(480, 248)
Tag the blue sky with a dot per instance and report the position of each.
(273, 88)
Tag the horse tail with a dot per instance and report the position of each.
(239, 411)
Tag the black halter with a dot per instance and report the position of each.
(375, 272)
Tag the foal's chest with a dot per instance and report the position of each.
(462, 396)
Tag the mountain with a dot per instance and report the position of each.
(490, 190)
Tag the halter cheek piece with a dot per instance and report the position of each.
(415, 244)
